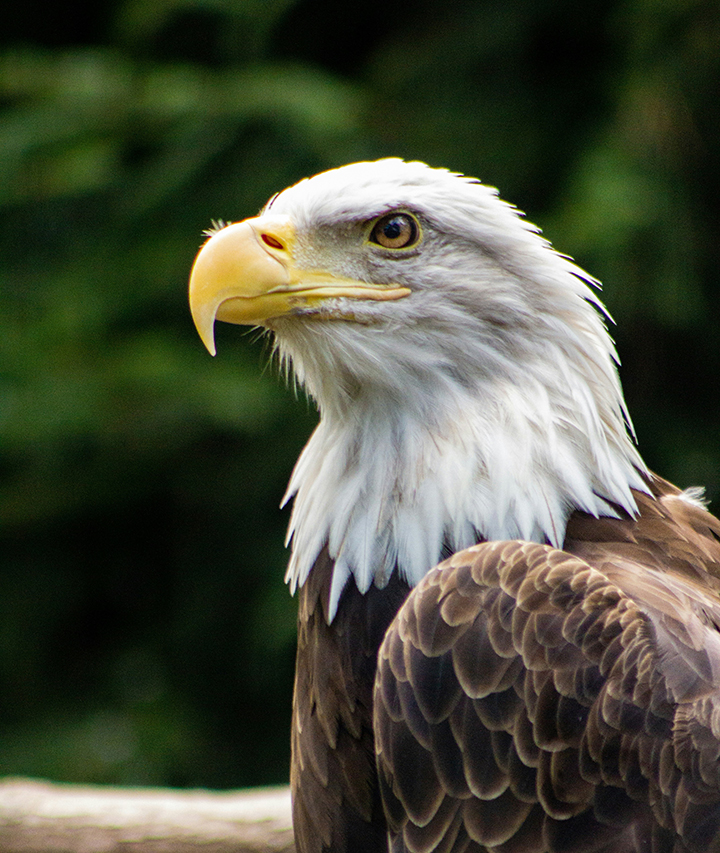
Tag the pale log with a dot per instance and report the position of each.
(44, 817)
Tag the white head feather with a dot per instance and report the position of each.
(484, 405)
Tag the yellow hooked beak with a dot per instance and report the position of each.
(245, 274)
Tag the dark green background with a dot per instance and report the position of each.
(146, 635)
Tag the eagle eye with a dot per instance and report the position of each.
(395, 231)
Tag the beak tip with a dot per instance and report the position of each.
(203, 315)
(208, 339)
(205, 326)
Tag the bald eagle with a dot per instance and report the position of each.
(554, 684)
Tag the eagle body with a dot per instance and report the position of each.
(554, 683)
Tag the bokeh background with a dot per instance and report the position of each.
(146, 635)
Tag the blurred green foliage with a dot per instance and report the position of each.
(146, 636)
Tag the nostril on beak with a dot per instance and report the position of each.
(271, 241)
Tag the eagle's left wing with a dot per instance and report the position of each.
(527, 702)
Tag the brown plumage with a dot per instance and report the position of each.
(528, 699)
(336, 797)
(531, 699)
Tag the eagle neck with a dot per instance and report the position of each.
(389, 487)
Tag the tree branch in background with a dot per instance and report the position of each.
(42, 817)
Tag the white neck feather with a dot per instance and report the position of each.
(426, 461)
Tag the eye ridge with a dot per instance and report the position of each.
(395, 231)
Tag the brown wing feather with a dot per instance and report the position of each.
(531, 700)
(336, 801)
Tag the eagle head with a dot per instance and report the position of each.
(466, 382)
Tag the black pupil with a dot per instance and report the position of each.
(394, 228)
